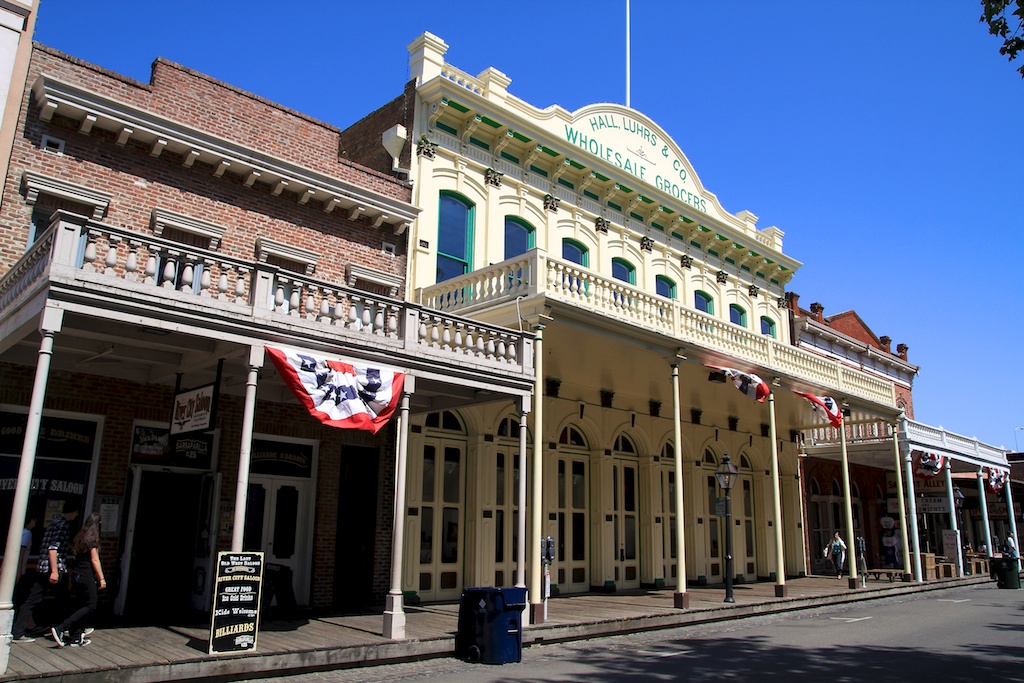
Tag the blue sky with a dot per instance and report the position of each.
(886, 139)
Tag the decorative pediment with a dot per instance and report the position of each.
(163, 219)
(385, 282)
(266, 248)
(36, 184)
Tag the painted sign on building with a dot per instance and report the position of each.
(620, 138)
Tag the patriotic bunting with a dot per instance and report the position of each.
(337, 393)
(750, 384)
(825, 406)
(996, 479)
(928, 465)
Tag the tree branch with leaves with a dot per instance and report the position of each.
(1005, 18)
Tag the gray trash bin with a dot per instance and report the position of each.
(1007, 571)
(490, 625)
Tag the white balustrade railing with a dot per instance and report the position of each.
(536, 273)
(191, 277)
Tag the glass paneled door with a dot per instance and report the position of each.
(572, 555)
(715, 531)
(626, 523)
(278, 520)
(441, 512)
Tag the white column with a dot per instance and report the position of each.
(256, 355)
(851, 549)
(954, 523)
(50, 325)
(780, 551)
(680, 599)
(1009, 511)
(536, 590)
(394, 611)
(982, 498)
(901, 501)
(915, 536)
(524, 410)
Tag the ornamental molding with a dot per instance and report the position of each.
(36, 184)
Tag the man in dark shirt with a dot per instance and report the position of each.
(51, 568)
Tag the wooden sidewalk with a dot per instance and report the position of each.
(179, 652)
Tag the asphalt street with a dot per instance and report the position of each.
(965, 634)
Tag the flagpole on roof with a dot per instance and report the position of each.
(627, 53)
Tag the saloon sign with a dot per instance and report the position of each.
(193, 410)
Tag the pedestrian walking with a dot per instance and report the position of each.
(51, 570)
(1011, 545)
(87, 575)
(836, 550)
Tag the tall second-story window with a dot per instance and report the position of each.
(768, 326)
(454, 236)
(575, 252)
(519, 236)
(737, 315)
(623, 270)
(665, 287)
(702, 301)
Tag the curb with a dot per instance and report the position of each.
(545, 634)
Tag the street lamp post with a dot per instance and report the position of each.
(1015, 444)
(958, 502)
(726, 475)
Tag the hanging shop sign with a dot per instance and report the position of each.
(156, 446)
(194, 410)
(933, 504)
(236, 604)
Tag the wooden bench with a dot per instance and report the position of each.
(893, 574)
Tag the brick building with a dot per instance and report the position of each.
(157, 238)
(910, 484)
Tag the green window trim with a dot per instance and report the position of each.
(737, 315)
(446, 128)
(466, 258)
(768, 326)
(708, 301)
(531, 235)
(622, 266)
(584, 252)
(510, 157)
(665, 287)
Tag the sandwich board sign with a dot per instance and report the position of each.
(235, 620)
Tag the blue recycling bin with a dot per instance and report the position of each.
(491, 625)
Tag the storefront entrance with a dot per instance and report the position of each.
(167, 552)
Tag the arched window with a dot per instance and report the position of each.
(737, 315)
(768, 326)
(665, 287)
(454, 236)
(571, 436)
(519, 236)
(575, 252)
(446, 420)
(702, 301)
(623, 444)
(623, 270)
